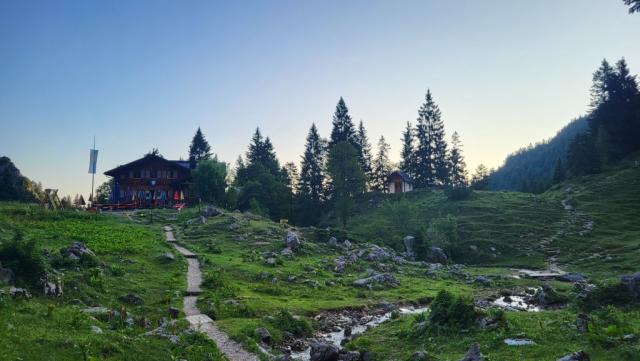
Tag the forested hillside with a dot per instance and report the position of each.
(531, 168)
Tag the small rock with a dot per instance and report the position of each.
(332, 241)
(287, 252)
(174, 312)
(582, 323)
(323, 352)
(19, 293)
(210, 211)
(263, 334)
(291, 278)
(270, 261)
(419, 356)
(349, 356)
(292, 240)
(436, 255)
(483, 280)
(6, 276)
(346, 244)
(572, 277)
(633, 284)
(576, 356)
(384, 279)
(132, 299)
(96, 330)
(473, 354)
(167, 257)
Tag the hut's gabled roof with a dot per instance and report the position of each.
(404, 176)
(180, 164)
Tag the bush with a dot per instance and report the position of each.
(457, 193)
(24, 258)
(449, 312)
(615, 294)
(285, 321)
(217, 280)
(608, 328)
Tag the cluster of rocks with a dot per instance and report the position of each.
(384, 280)
(76, 252)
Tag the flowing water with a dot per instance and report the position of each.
(361, 325)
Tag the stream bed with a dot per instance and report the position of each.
(346, 324)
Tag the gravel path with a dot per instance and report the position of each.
(201, 322)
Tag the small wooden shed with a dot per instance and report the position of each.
(399, 182)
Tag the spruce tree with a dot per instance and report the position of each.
(343, 129)
(347, 179)
(365, 155)
(381, 166)
(424, 154)
(407, 162)
(457, 166)
(559, 174)
(199, 148)
(311, 181)
(440, 162)
(261, 152)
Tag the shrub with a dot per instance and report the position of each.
(285, 321)
(457, 193)
(24, 258)
(217, 280)
(608, 328)
(449, 312)
(616, 294)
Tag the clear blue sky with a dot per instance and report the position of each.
(144, 74)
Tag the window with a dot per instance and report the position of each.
(154, 174)
(136, 174)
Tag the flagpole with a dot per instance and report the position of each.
(93, 174)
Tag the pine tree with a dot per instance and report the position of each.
(407, 162)
(457, 166)
(343, 129)
(365, 155)
(440, 162)
(424, 153)
(291, 171)
(381, 166)
(559, 174)
(199, 148)
(480, 178)
(347, 179)
(261, 152)
(311, 181)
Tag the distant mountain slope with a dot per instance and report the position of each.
(531, 168)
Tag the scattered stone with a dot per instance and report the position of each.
(408, 246)
(96, 310)
(349, 356)
(383, 279)
(284, 357)
(518, 342)
(291, 278)
(340, 265)
(633, 284)
(572, 277)
(76, 251)
(132, 299)
(419, 356)
(167, 257)
(483, 280)
(96, 330)
(19, 293)
(174, 312)
(323, 352)
(346, 244)
(271, 261)
(292, 240)
(52, 288)
(332, 241)
(377, 253)
(263, 335)
(473, 354)
(473, 247)
(582, 323)
(210, 211)
(6, 276)
(576, 356)
(263, 275)
(287, 252)
(436, 255)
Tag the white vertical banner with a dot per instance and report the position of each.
(93, 160)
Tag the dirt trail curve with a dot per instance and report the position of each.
(198, 321)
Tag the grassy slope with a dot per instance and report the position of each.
(611, 200)
(56, 329)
